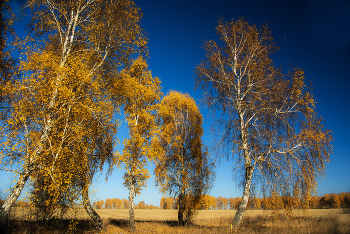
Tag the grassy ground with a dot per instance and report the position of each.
(212, 221)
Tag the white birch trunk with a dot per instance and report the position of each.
(248, 168)
(131, 208)
(245, 198)
(14, 194)
(92, 213)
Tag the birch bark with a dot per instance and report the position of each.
(92, 213)
(25, 174)
(14, 194)
(245, 198)
(131, 208)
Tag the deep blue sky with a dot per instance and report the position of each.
(311, 34)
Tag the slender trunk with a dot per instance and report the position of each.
(91, 211)
(245, 198)
(131, 208)
(248, 167)
(23, 177)
(180, 214)
(14, 194)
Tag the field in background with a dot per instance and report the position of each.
(162, 215)
(218, 221)
(207, 221)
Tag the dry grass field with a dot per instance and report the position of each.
(207, 221)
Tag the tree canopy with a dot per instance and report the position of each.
(61, 122)
(183, 168)
(140, 94)
(267, 120)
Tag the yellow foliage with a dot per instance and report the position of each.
(140, 93)
(61, 119)
(182, 168)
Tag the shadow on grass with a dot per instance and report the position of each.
(346, 210)
(124, 223)
(152, 225)
(285, 225)
(56, 226)
(258, 224)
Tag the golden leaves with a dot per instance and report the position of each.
(140, 93)
(61, 122)
(184, 167)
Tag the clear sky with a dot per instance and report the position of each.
(311, 34)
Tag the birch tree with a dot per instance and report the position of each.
(266, 119)
(60, 123)
(141, 94)
(184, 168)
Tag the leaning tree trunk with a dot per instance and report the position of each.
(91, 211)
(245, 198)
(23, 177)
(131, 208)
(180, 214)
(14, 194)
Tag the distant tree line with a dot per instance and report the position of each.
(332, 200)
(116, 203)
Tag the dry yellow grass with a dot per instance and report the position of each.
(207, 221)
(218, 221)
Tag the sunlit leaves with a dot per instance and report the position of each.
(140, 93)
(61, 126)
(183, 168)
